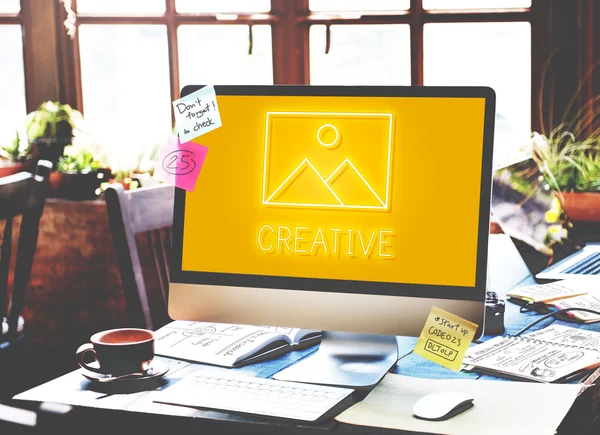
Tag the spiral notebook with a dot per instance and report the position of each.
(554, 354)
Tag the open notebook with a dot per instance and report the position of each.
(556, 353)
(228, 345)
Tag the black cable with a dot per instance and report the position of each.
(538, 307)
(552, 314)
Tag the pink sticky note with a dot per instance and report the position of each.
(180, 163)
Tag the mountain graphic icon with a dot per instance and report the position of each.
(305, 185)
(345, 186)
(351, 187)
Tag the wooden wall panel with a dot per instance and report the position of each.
(565, 57)
(41, 59)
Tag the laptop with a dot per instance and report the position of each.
(525, 206)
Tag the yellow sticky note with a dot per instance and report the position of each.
(445, 338)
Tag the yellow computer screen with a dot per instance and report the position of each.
(377, 189)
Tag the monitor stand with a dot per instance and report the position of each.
(345, 360)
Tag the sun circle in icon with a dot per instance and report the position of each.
(328, 136)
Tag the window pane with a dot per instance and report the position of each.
(487, 54)
(475, 4)
(12, 83)
(211, 54)
(208, 6)
(361, 55)
(358, 5)
(126, 90)
(10, 6)
(119, 7)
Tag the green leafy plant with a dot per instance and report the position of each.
(569, 156)
(568, 164)
(588, 178)
(18, 150)
(52, 120)
(77, 160)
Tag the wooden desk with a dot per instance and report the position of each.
(136, 413)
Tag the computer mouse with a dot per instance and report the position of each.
(442, 405)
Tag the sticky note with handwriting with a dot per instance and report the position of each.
(445, 338)
(180, 163)
(197, 113)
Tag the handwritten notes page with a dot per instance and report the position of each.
(219, 343)
(180, 163)
(567, 336)
(589, 301)
(552, 291)
(548, 355)
(445, 338)
(197, 114)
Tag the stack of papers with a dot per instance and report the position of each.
(580, 292)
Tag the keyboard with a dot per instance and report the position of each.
(234, 392)
(589, 265)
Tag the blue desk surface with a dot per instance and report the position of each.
(408, 364)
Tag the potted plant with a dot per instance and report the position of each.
(142, 162)
(78, 174)
(571, 168)
(50, 128)
(122, 177)
(15, 156)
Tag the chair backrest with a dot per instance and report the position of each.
(131, 213)
(22, 194)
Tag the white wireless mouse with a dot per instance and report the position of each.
(442, 406)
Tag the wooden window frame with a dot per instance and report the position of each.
(290, 22)
(416, 17)
(170, 18)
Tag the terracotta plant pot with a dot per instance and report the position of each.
(581, 206)
(55, 180)
(9, 168)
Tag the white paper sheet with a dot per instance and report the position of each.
(500, 407)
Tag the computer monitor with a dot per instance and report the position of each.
(344, 209)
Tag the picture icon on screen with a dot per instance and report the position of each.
(328, 160)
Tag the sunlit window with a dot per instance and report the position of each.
(360, 55)
(12, 83)
(475, 4)
(120, 7)
(228, 48)
(208, 6)
(486, 54)
(333, 42)
(126, 91)
(358, 5)
(10, 6)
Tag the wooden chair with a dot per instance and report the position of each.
(21, 194)
(134, 213)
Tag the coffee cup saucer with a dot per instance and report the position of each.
(157, 370)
